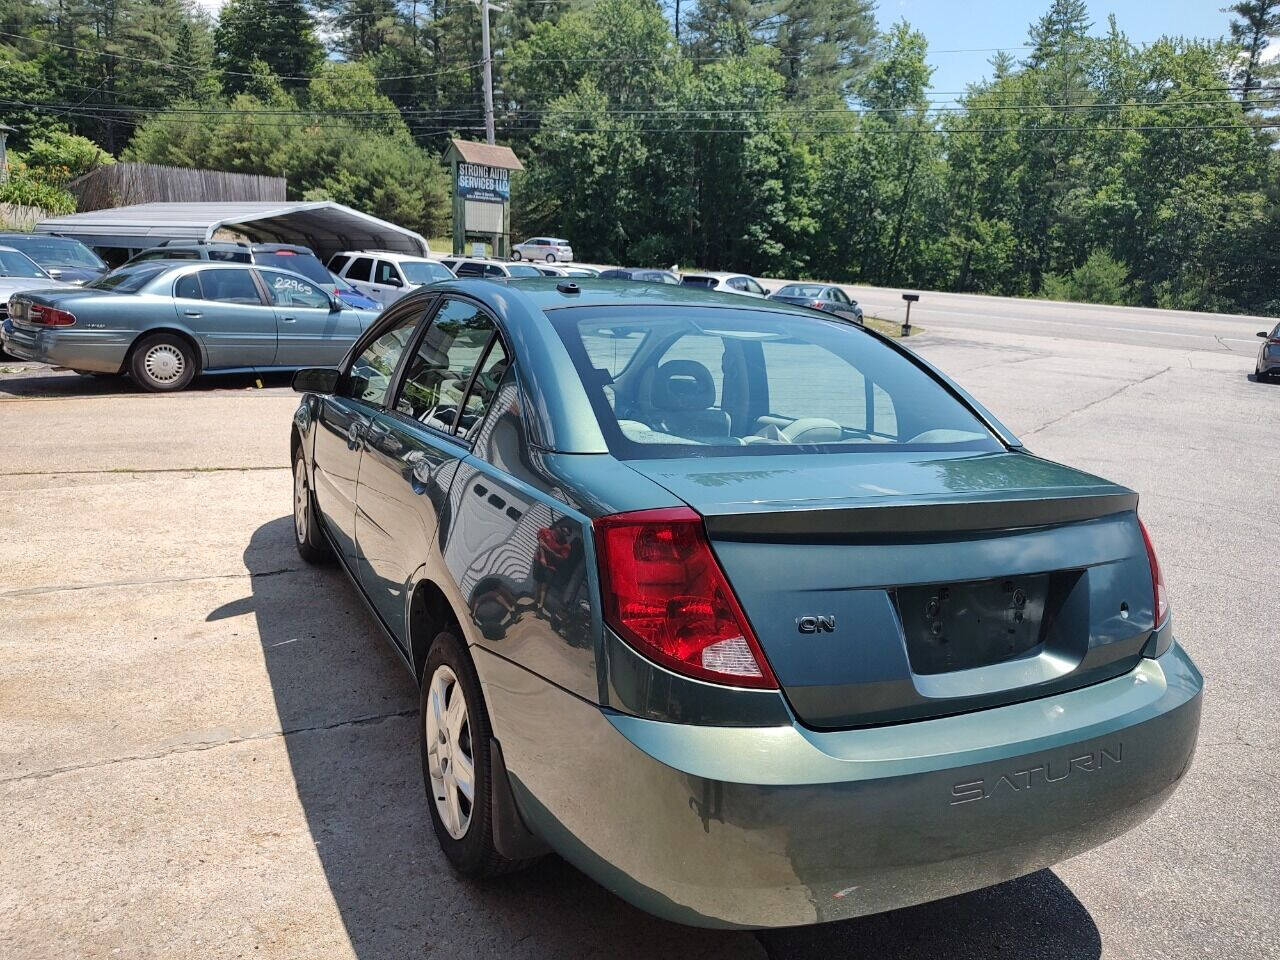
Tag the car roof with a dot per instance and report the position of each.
(544, 294)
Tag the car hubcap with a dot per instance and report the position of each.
(450, 760)
(301, 500)
(164, 363)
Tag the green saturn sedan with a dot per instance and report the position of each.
(748, 612)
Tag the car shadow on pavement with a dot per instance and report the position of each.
(349, 712)
(22, 380)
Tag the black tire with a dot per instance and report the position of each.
(307, 535)
(515, 254)
(551, 258)
(162, 363)
(473, 854)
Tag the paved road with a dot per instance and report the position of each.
(205, 751)
(1131, 326)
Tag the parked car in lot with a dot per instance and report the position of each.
(640, 275)
(61, 257)
(820, 296)
(351, 296)
(19, 272)
(724, 282)
(163, 323)
(386, 277)
(749, 613)
(1268, 354)
(484, 267)
(286, 256)
(549, 249)
(574, 271)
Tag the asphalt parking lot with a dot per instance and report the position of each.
(206, 751)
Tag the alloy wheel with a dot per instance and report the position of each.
(450, 758)
(301, 500)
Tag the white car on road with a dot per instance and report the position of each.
(549, 249)
(386, 277)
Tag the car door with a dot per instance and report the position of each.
(342, 420)
(225, 309)
(412, 451)
(309, 332)
(388, 284)
(359, 274)
(841, 304)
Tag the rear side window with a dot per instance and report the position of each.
(188, 287)
(716, 382)
(230, 286)
(371, 372)
(288, 291)
(166, 254)
(338, 261)
(231, 256)
(304, 263)
(470, 269)
(361, 269)
(435, 383)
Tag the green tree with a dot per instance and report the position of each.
(278, 33)
(1256, 25)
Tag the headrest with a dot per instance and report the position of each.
(683, 385)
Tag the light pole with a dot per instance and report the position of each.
(486, 53)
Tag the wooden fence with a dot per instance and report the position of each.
(124, 184)
(16, 218)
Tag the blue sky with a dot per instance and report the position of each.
(971, 24)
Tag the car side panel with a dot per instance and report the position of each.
(521, 557)
(405, 474)
(340, 425)
(232, 334)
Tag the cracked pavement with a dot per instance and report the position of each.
(206, 751)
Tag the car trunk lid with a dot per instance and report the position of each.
(897, 586)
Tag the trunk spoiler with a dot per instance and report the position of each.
(927, 517)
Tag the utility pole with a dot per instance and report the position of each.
(488, 70)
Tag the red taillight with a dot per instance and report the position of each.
(665, 594)
(50, 316)
(816, 304)
(1157, 578)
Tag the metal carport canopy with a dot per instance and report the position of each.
(324, 226)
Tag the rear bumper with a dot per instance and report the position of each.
(777, 826)
(100, 351)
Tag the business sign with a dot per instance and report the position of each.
(486, 184)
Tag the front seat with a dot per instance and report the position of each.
(683, 399)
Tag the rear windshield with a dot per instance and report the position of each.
(694, 281)
(690, 381)
(425, 271)
(518, 270)
(57, 251)
(303, 263)
(801, 290)
(128, 279)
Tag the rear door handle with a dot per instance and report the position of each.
(191, 313)
(287, 320)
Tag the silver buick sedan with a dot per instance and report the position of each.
(165, 322)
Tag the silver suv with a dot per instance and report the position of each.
(549, 249)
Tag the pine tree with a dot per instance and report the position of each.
(1061, 28)
(278, 33)
(1257, 26)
